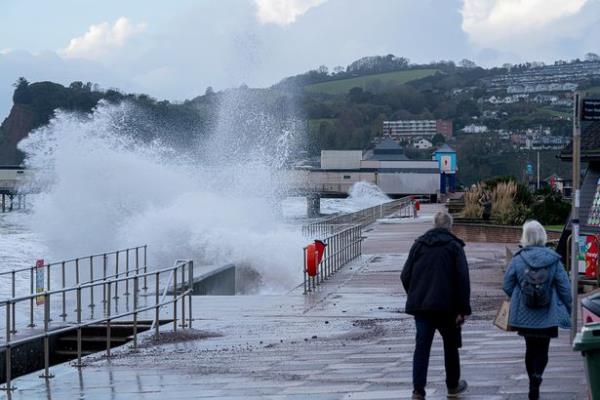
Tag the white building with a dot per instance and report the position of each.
(423, 144)
(472, 128)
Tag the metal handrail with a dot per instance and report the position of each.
(341, 248)
(74, 259)
(107, 284)
(365, 216)
(81, 262)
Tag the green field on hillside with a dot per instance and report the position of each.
(344, 85)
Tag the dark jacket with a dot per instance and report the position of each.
(436, 275)
(558, 312)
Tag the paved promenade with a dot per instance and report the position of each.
(349, 340)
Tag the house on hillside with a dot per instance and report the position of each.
(422, 144)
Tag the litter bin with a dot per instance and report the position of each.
(588, 342)
(591, 309)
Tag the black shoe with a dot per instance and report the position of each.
(535, 381)
(417, 396)
(461, 388)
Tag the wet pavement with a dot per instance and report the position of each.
(348, 340)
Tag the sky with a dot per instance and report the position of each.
(175, 49)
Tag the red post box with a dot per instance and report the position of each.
(314, 255)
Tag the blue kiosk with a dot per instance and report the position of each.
(446, 158)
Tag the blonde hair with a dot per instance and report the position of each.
(534, 234)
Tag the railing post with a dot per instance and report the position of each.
(126, 272)
(135, 314)
(31, 323)
(183, 287)
(304, 269)
(137, 261)
(77, 271)
(191, 288)
(116, 274)
(175, 300)
(92, 305)
(157, 310)
(64, 294)
(46, 374)
(8, 353)
(108, 320)
(79, 365)
(104, 280)
(14, 294)
(145, 267)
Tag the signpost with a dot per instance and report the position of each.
(577, 117)
(39, 281)
(590, 110)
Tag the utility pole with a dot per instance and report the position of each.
(538, 170)
(575, 198)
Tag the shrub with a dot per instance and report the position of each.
(473, 209)
(549, 208)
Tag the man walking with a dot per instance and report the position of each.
(436, 280)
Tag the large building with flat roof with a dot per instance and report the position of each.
(409, 130)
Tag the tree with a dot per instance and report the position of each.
(438, 139)
(338, 69)
(467, 64)
(22, 93)
(209, 91)
(592, 57)
(323, 69)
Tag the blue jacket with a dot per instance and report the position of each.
(558, 312)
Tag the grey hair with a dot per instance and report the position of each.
(442, 220)
(534, 234)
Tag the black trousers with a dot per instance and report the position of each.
(426, 327)
(536, 355)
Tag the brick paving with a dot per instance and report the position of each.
(349, 340)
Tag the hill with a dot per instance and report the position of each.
(370, 82)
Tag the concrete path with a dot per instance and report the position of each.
(349, 340)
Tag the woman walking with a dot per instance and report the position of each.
(540, 299)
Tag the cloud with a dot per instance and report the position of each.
(283, 12)
(101, 39)
(499, 22)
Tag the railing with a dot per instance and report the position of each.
(366, 216)
(113, 264)
(341, 248)
(182, 268)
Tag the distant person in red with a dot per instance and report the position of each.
(436, 279)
